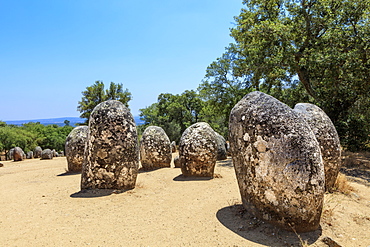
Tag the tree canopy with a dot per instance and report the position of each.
(314, 51)
(95, 94)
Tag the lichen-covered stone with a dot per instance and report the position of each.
(328, 139)
(155, 149)
(18, 154)
(112, 152)
(173, 147)
(221, 147)
(29, 155)
(46, 154)
(176, 162)
(198, 150)
(10, 154)
(277, 162)
(37, 152)
(75, 148)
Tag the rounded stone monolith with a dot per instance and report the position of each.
(198, 150)
(328, 139)
(37, 152)
(75, 148)
(278, 163)
(46, 154)
(221, 147)
(18, 154)
(112, 152)
(155, 149)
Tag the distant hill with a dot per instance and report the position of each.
(60, 121)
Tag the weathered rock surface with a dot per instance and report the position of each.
(46, 154)
(198, 150)
(221, 147)
(328, 139)
(10, 154)
(112, 152)
(18, 154)
(55, 153)
(277, 162)
(75, 148)
(173, 147)
(176, 162)
(37, 152)
(155, 149)
(29, 155)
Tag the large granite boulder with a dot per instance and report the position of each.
(328, 139)
(75, 148)
(37, 152)
(18, 154)
(155, 149)
(46, 154)
(29, 155)
(277, 162)
(198, 150)
(112, 152)
(221, 147)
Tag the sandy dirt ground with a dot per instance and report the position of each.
(41, 205)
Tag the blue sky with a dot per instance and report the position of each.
(51, 50)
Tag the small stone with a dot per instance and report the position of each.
(46, 154)
(37, 152)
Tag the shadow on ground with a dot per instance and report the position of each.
(225, 163)
(95, 193)
(238, 220)
(67, 173)
(186, 178)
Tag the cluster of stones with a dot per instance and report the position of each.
(75, 148)
(278, 160)
(111, 158)
(198, 150)
(155, 149)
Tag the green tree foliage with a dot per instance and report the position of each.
(30, 135)
(307, 50)
(95, 94)
(174, 113)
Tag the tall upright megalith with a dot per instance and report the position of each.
(198, 150)
(328, 139)
(75, 148)
(112, 152)
(277, 162)
(155, 149)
